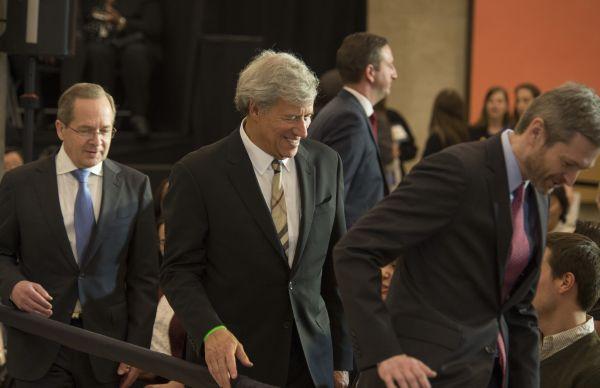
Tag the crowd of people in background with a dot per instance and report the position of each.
(244, 232)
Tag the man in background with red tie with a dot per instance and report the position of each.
(469, 224)
(348, 123)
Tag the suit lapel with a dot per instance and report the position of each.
(306, 180)
(348, 96)
(242, 177)
(111, 184)
(47, 191)
(498, 186)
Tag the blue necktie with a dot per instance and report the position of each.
(84, 214)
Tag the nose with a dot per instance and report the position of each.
(302, 129)
(394, 73)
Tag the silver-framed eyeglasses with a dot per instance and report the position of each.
(89, 132)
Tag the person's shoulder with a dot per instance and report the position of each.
(207, 153)
(126, 172)
(340, 107)
(318, 152)
(28, 171)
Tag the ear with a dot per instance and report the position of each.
(370, 73)
(567, 283)
(59, 129)
(536, 131)
(253, 109)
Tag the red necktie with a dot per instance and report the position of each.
(518, 258)
(373, 121)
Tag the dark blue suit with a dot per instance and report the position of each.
(343, 125)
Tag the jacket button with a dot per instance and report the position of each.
(291, 286)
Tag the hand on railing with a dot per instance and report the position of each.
(32, 298)
(222, 349)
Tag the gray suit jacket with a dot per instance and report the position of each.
(117, 283)
(450, 221)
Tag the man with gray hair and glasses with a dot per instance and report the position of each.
(78, 245)
(470, 225)
(251, 221)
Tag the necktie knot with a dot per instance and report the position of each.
(81, 175)
(518, 195)
(276, 165)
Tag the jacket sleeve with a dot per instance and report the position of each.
(184, 265)
(425, 202)
(342, 347)
(142, 272)
(9, 239)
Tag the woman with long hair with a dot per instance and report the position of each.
(448, 123)
(524, 95)
(494, 114)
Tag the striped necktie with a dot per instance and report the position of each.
(278, 208)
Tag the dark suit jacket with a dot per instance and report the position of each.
(450, 220)
(343, 125)
(225, 266)
(117, 284)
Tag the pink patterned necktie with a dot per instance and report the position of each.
(518, 258)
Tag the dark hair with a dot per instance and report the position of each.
(569, 109)
(535, 92)
(448, 120)
(589, 229)
(16, 150)
(563, 200)
(484, 120)
(357, 51)
(330, 84)
(579, 255)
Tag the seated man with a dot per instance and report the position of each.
(569, 286)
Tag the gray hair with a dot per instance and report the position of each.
(569, 109)
(271, 76)
(81, 90)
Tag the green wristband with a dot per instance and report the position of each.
(213, 330)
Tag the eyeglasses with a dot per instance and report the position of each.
(90, 133)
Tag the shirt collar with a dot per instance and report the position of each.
(261, 161)
(64, 164)
(364, 101)
(553, 344)
(512, 166)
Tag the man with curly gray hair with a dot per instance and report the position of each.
(251, 221)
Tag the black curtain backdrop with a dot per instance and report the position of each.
(312, 29)
(232, 32)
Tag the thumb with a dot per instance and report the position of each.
(122, 369)
(240, 354)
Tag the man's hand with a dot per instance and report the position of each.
(170, 384)
(405, 372)
(32, 298)
(128, 375)
(221, 349)
(341, 379)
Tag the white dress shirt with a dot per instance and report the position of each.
(553, 344)
(261, 161)
(364, 101)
